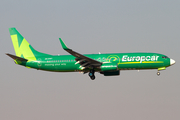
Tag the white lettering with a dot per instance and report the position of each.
(49, 64)
(124, 58)
(129, 59)
(133, 58)
(142, 59)
(157, 58)
(147, 58)
(137, 58)
(153, 58)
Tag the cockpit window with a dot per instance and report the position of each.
(164, 57)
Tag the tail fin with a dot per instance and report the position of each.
(22, 48)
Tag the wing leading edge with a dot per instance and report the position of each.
(84, 61)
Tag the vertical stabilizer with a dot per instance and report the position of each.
(22, 48)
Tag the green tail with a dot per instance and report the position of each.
(22, 48)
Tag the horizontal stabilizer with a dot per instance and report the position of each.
(16, 57)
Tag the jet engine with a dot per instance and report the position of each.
(109, 69)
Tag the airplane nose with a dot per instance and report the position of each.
(172, 61)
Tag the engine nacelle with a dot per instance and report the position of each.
(109, 67)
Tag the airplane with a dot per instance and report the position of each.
(107, 64)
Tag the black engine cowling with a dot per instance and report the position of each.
(111, 73)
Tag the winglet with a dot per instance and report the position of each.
(63, 44)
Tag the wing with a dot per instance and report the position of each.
(84, 61)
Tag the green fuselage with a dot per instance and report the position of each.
(124, 61)
(106, 64)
